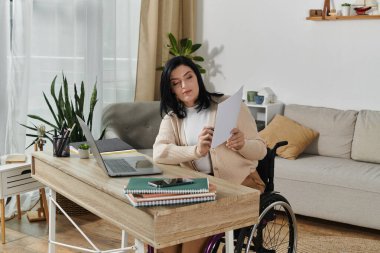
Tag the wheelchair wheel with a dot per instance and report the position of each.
(276, 231)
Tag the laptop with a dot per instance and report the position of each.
(119, 167)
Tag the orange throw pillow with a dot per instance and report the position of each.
(282, 128)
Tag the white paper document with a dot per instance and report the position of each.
(226, 118)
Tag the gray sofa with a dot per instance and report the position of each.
(136, 123)
(338, 176)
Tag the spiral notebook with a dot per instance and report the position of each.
(139, 185)
(174, 199)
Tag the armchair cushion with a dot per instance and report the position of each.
(136, 123)
(366, 142)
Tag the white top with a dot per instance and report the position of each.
(193, 125)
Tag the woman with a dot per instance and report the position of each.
(186, 133)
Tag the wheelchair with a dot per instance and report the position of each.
(276, 230)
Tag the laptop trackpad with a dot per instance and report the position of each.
(144, 164)
(119, 165)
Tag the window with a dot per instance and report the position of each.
(92, 41)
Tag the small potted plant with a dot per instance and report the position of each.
(84, 150)
(346, 7)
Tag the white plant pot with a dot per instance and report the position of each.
(84, 153)
(346, 10)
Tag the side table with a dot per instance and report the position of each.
(15, 179)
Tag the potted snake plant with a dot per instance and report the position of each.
(64, 111)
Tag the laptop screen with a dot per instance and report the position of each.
(92, 143)
(136, 165)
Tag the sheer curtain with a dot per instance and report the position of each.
(94, 41)
(88, 40)
(4, 69)
(15, 64)
(14, 74)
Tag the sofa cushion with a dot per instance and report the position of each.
(366, 142)
(331, 188)
(136, 123)
(335, 127)
(282, 128)
(333, 171)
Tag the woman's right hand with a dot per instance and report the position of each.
(204, 140)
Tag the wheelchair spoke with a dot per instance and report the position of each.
(275, 232)
(278, 233)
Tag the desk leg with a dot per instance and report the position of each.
(18, 206)
(44, 204)
(52, 218)
(229, 241)
(124, 239)
(139, 246)
(2, 221)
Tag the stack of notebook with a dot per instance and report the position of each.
(140, 193)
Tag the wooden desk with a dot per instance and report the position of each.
(83, 182)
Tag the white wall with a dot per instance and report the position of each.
(270, 43)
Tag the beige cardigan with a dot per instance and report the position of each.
(170, 146)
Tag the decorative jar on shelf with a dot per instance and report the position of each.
(346, 9)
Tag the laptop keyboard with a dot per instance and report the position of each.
(119, 166)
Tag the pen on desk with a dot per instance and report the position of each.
(60, 136)
(60, 141)
(70, 130)
(55, 141)
(65, 139)
(63, 129)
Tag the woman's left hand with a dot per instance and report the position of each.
(236, 140)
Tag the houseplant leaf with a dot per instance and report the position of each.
(52, 92)
(198, 58)
(51, 109)
(185, 48)
(173, 42)
(41, 119)
(60, 106)
(195, 47)
(92, 106)
(28, 127)
(66, 111)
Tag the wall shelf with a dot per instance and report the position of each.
(339, 18)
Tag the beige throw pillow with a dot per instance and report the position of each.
(282, 128)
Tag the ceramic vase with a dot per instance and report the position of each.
(346, 10)
(84, 153)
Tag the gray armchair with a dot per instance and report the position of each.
(136, 123)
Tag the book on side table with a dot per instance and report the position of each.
(15, 158)
(140, 193)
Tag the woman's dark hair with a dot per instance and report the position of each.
(169, 101)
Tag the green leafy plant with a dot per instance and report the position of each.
(186, 48)
(84, 146)
(65, 111)
(346, 4)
